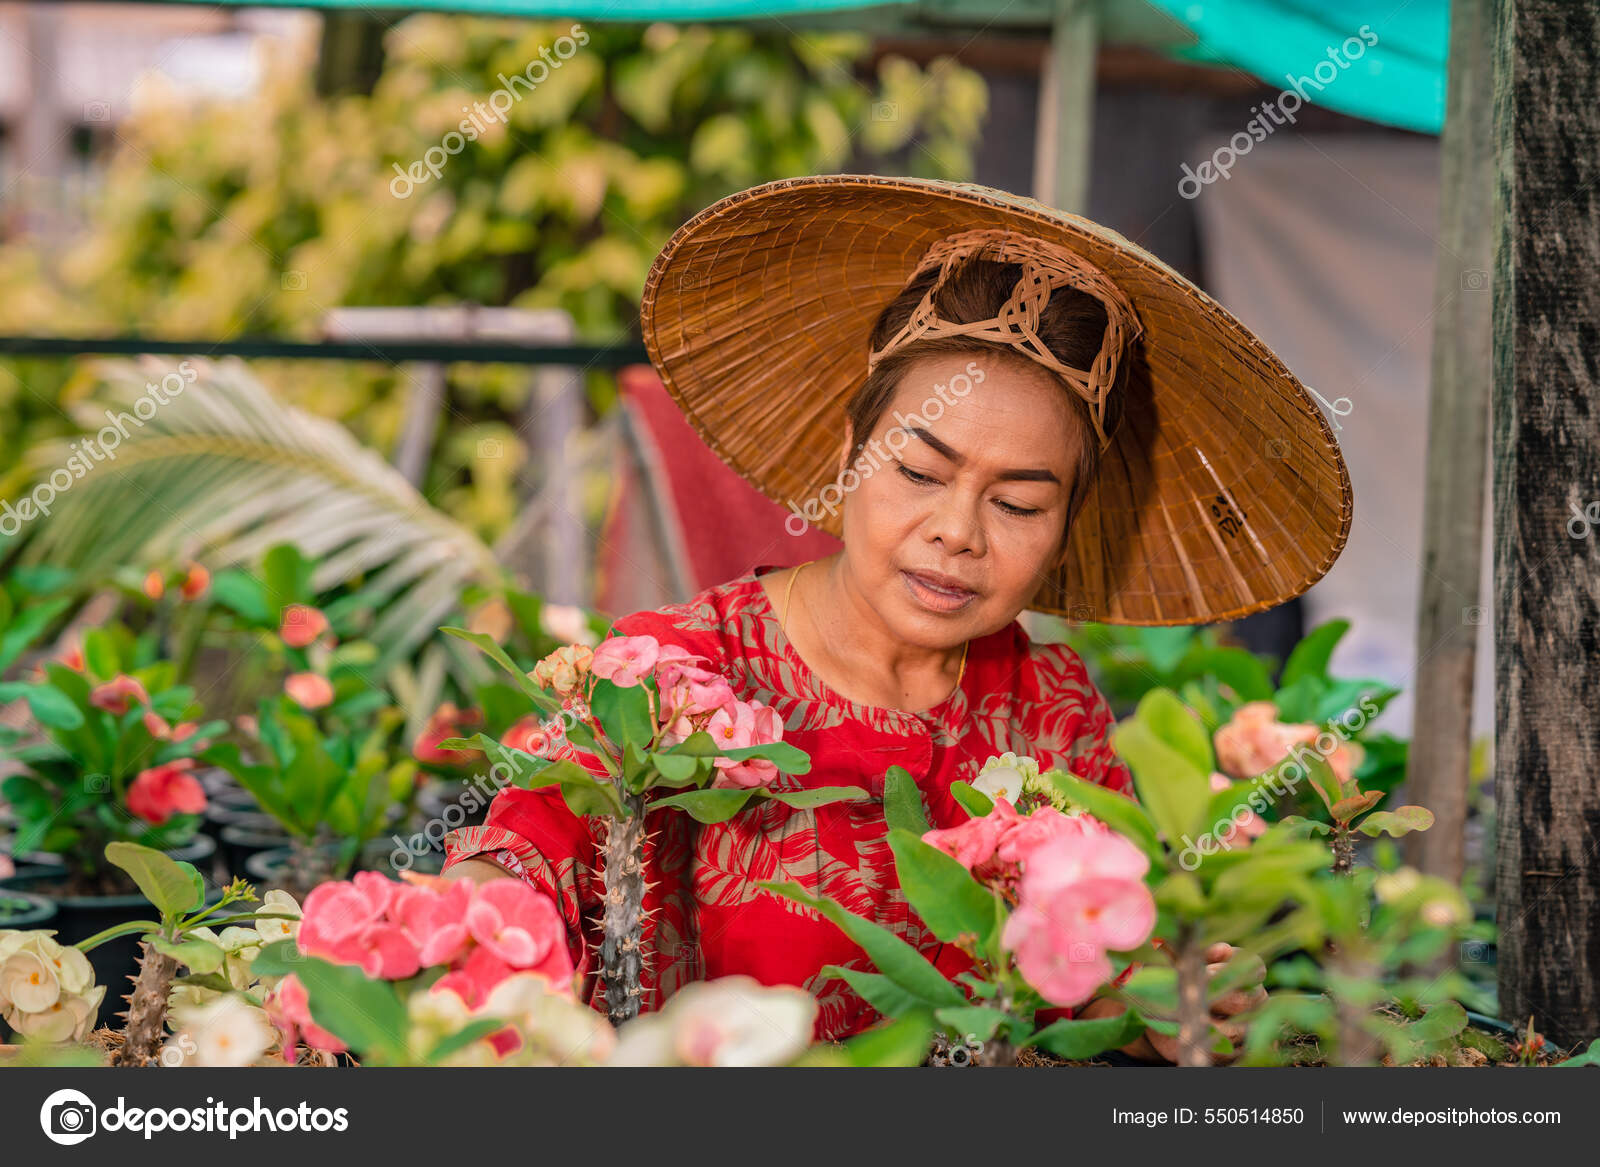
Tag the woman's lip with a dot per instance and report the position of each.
(936, 593)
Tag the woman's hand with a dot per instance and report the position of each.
(1153, 1046)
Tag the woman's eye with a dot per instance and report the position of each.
(1012, 509)
(920, 479)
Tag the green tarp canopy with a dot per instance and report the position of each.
(1396, 79)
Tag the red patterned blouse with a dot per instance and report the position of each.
(708, 916)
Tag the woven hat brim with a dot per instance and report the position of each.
(1223, 492)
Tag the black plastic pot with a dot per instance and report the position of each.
(79, 917)
(21, 910)
(243, 833)
(270, 869)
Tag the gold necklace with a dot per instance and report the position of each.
(783, 623)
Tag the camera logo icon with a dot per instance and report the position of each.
(68, 1117)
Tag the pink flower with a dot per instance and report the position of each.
(528, 735)
(347, 923)
(975, 844)
(735, 726)
(185, 730)
(302, 626)
(434, 915)
(163, 791)
(196, 583)
(476, 977)
(72, 658)
(118, 695)
(1255, 740)
(521, 927)
(689, 693)
(308, 690)
(155, 585)
(291, 1011)
(625, 660)
(156, 725)
(445, 723)
(1081, 892)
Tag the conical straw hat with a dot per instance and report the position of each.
(1223, 491)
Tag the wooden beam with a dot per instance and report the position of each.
(1546, 476)
(1448, 617)
(1066, 108)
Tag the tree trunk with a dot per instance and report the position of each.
(622, 959)
(1450, 614)
(1547, 512)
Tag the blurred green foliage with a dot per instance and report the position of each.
(257, 216)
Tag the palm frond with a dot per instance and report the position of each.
(223, 471)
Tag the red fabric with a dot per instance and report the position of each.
(721, 542)
(709, 918)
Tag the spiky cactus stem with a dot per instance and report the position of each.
(1194, 1017)
(146, 1016)
(1344, 850)
(621, 955)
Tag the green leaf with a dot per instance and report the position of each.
(675, 767)
(942, 892)
(891, 955)
(1117, 811)
(709, 805)
(200, 956)
(546, 703)
(163, 882)
(974, 801)
(902, 802)
(277, 959)
(473, 1031)
(1402, 820)
(1241, 671)
(814, 796)
(286, 577)
(879, 991)
(789, 759)
(367, 1015)
(1080, 1040)
(1171, 788)
(624, 713)
(244, 595)
(1589, 1057)
(971, 1022)
(1310, 657)
(1175, 725)
(53, 708)
(27, 626)
(902, 1043)
(1165, 648)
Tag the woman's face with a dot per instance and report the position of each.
(962, 507)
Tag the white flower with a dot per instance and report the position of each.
(271, 931)
(1005, 776)
(555, 1030)
(567, 624)
(70, 1018)
(732, 1021)
(226, 1032)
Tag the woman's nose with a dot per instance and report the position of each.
(955, 524)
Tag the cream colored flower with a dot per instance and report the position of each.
(271, 931)
(567, 624)
(70, 1018)
(554, 1030)
(227, 1031)
(565, 668)
(1006, 776)
(732, 1021)
(28, 984)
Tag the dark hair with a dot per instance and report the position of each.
(1072, 326)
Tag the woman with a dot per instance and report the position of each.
(947, 378)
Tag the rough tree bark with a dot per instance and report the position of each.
(1546, 476)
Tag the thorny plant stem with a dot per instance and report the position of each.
(1194, 1019)
(621, 954)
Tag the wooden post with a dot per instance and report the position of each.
(1547, 549)
(1066, 109)
(1449, 615)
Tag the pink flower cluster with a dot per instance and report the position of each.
(694, 699)
(481, 933)
(1255, 741)
(1078, 887)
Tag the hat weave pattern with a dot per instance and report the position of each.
(1045, 268)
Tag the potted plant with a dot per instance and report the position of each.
(115, 762)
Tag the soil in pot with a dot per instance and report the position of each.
(79, 916)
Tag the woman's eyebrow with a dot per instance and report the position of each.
(950, 452)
